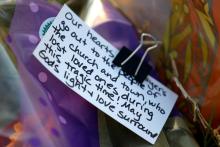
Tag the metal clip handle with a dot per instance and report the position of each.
(145, 53)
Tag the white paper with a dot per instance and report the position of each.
(82, 60)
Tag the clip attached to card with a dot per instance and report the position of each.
(129, 61)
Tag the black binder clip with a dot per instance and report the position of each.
(131, 64)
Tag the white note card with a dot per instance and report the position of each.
(82, 60)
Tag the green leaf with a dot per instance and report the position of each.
(205, 20)
(188, 61)
(166, 39)
(205, 49)
(177, 39)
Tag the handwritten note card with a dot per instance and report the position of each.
(82, 60)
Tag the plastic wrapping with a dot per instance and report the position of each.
(192, 41)
(51, 115)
